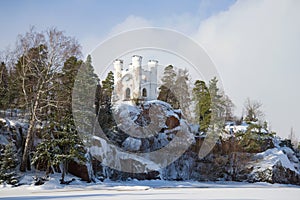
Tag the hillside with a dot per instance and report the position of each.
(154, 141)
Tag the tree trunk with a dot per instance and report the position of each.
(63, 172)
(28, 145)
(25, 163)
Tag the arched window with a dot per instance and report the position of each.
(127, 93)
(144, 92)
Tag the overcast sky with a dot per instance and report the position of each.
(255, 44)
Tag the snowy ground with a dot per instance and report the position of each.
(153, 189)
(155, 193)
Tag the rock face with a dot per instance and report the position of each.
(172, 122)
(229, 160)
(79, 170)
(123, 154)
(12, 131)
(277, 165)
(153, 135)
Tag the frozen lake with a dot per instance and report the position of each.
(154, 190)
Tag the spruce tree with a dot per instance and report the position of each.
(105, 115)
(83, 97)
(166, 90)
(201, 97)
(217, 104)
(61, 144)
(229, 108)
(8, 164)
(108, 85)
(181, 89)
(15, 94)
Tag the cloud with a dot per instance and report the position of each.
(255, 45)
(131, 22)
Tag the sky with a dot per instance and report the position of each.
(254, 44)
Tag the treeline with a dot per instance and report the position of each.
(37, 78)
(201, 103)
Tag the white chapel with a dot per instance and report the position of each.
(136, 82)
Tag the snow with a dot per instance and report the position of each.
(132, 143)
(111, 155)
(165, 104)
(271, 157)
(236, 128)
(232, 127)
(3, 140)
(194, 128)
(149, 189)
(2, 120)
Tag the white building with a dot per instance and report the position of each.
(136, 82)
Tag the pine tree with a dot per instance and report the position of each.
(202, 99)
(167, 93)
(8, 164)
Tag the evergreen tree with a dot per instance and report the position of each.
(60, 145)
(66, 82)
(217, 104)
(229, 108)
(8, 164)
(84, 91)
(167, 93)
(98, 97)
(15, 93)
(105, 115)
(108, 85)
(202, 99)
(181, 89)
(3, 86)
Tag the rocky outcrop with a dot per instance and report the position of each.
(12, 131)
(277, 165)
(172, 122)
(79, 170)
(121, 157)
(284, 175)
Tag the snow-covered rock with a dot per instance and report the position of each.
(154, 135)
(277, 165)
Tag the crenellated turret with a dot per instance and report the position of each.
(152, 67)
(137, 69)
(136, 61)
(118, 67)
